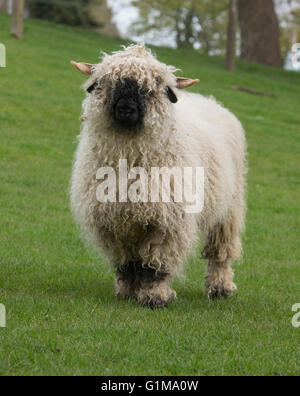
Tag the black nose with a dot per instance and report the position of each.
(127, 112)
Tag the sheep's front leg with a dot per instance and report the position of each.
(150, 287)
(155, 290)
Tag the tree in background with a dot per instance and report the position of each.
(259, 32)
(197, 24)
(231, 36)
(289, 18)
(70, 12)
(3, 5)
(102, 15)
(17, 19)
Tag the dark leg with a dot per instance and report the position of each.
(150, 287)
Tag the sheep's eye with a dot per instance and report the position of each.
(151, 94)
(92, 87)
(158, 80)
(171, 95)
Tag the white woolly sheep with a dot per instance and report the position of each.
(131, 113)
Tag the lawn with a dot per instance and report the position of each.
(62, 315)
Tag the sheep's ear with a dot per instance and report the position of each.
(85, 68)
(183, 83)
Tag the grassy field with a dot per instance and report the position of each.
(62, 315)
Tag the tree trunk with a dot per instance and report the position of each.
(231, 36)
(3, 5)
(17, 19)
(178, 29)
(259, 32)
(189, 28)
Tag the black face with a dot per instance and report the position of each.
(128, 104)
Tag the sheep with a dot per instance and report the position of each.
(136, 109)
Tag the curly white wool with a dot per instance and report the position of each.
(195, 132)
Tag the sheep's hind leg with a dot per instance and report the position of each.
(222, 247)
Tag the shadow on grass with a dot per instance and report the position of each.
(93, 285)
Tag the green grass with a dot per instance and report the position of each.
(62, 315)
